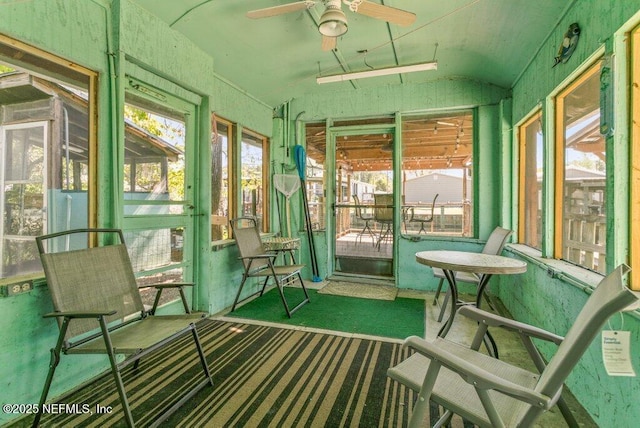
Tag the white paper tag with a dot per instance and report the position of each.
(616, 353)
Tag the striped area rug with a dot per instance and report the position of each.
(263, 376)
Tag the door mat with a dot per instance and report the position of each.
(363, 291)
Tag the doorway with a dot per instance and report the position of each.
(364, 200)
(158, 188)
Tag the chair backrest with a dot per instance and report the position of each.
(247, 235)
(497, 240)
(609, 297)
(356, 201)
(433, 205)
(383, 210)
(91, 279)
(425, 219)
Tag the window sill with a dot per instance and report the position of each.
(571, 274)
(224, 243)
(576, 275)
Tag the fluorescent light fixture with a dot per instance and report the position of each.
(378, 72)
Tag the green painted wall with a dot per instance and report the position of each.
(389, 99)
(553, 303)
(26, 337)
(84, 31)
(80, 29)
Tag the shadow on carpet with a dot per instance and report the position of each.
(397, 319)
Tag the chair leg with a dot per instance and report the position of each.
(203, 359)
(116, 373)
(282, 297)
(438, 290)
(53, 363)
(183, 297)
(422, 404)
(443, 308)
(304, 301)
(235, 302)
(367, 228)
(156, 301)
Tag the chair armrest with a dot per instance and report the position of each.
(493, 320)
(168, 285)
(260, 256)
(89, 314)
(476, 375)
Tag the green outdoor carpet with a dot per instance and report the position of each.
(399, 318)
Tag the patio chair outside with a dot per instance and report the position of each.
(494, 245)
(492, 393)
(258, 263)
(99, 310)
(366, 218)
(416, 216)
(383, 214)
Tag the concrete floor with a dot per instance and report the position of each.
(510, 348)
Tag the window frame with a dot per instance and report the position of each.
(217, 220)
(592, 69)
(39, 63)
(75, 71)
(266, 185)
(522, 176)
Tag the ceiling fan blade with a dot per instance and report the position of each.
(280, 10)
(386, 13)
(329, 43)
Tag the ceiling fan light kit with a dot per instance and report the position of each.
(425, 66)
(333, 22)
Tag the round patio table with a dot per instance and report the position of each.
(484, 265)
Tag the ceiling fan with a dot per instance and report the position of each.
(333, 22)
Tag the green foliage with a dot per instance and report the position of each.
(5, 69)
(149, 175)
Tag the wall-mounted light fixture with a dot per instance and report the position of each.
(433, 65)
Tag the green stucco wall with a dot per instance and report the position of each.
(553, 303)
(84, 31)
(78, 30)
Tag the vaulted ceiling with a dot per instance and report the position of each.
(278, 58)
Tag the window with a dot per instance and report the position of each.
(580, 209)
(315, 172)
(437, 159)
(254, 161)
(531, 164)
(153, 161)
(46, 140)
(220, 137)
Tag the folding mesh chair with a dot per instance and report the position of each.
(99, 310)
(489, 392)
(258, 263)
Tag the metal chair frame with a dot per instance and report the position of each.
(258, 263)
(95, 295)
(489, 392)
